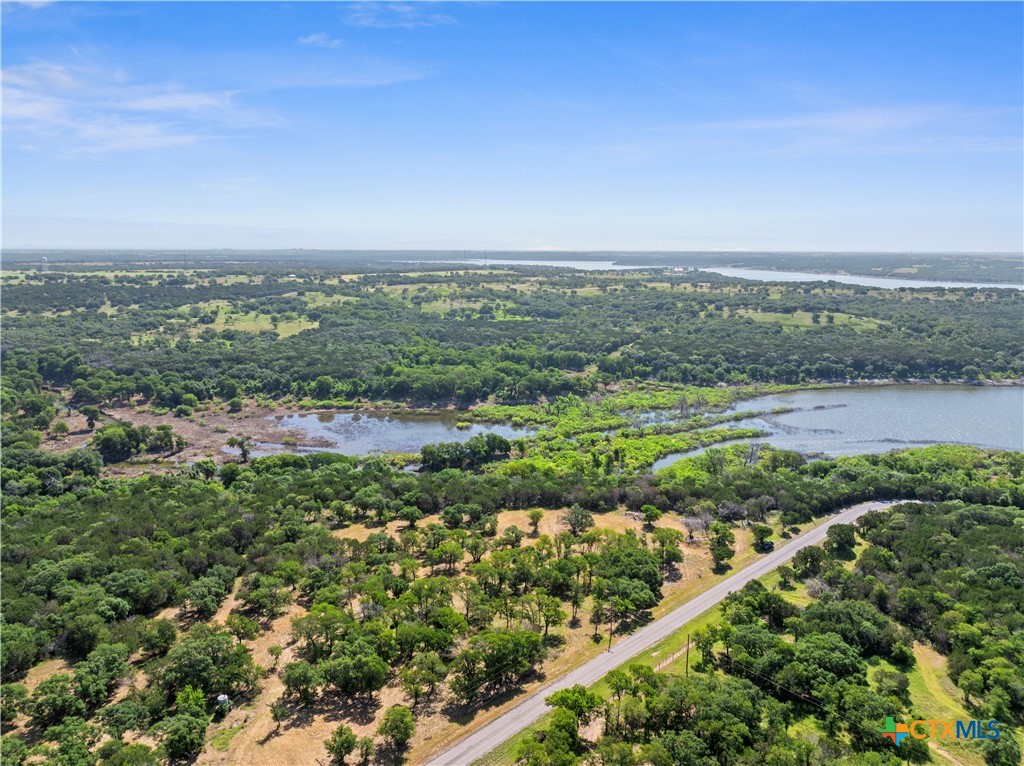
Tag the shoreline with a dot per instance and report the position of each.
(208, 430)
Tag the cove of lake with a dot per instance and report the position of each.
(758, 275)
(766, 275)
(876, 419)
(364, 433)
(839, 421)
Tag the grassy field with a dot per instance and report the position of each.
(251, 321)
(804, 319)
(221, 741)
(934, 695)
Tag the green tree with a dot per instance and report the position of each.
(19, 648)
(184, 735)
(1002, 751)
(190, 701)
(807, 561)
(135, 754)
(92, 414)
(13, 698)
(651, 514)
(115, 443)
(580, 700)
(971, 682)
(13, 750)
(341, 743)
(840, 539)
(720, 554)
(275, 652)
(242, 444)
(242, 628)
(301, 679)
(410, 514)
(366, 748)
(209, 658)
(96, 675)
(398, 725)
(280, 713)
(535, 515)
(423, 673)
(159, 636)
(761, 534)
(667, 543)
(578, 519)
(53, 701)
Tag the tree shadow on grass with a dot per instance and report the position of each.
(361, 709)
(464, 713)
(388, 754)
(334, 706)
(635, 623)
(553, 641)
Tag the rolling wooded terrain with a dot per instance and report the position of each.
(353, 608)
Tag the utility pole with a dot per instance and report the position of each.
(687, 655)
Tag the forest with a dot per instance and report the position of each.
(161, 604)
(444, 338)
(947, 574)
(962, 267)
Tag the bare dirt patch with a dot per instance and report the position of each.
(206, 432)
(44, 670)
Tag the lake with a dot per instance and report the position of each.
(365, 433)
(765, 275)
(838, 421)
(581, 265)
(875, 419)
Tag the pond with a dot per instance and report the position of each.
(765, 275)
(365, 433)
(875, 419)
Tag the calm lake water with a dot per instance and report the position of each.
(362, 433)
(764, 275)
(853, 421)
(846, 421)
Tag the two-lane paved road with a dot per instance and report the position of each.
(488, 737)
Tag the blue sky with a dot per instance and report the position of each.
(688, 126)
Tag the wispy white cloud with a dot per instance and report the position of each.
(391, 15)
(179, 101)
(33, 4)
(116, 134)
(355, 76)
(82, 107)
(25, 106)
(86, 109)
(907, 129)
(233, 186)
(863, 120)
(320, 40)
(40, 74)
